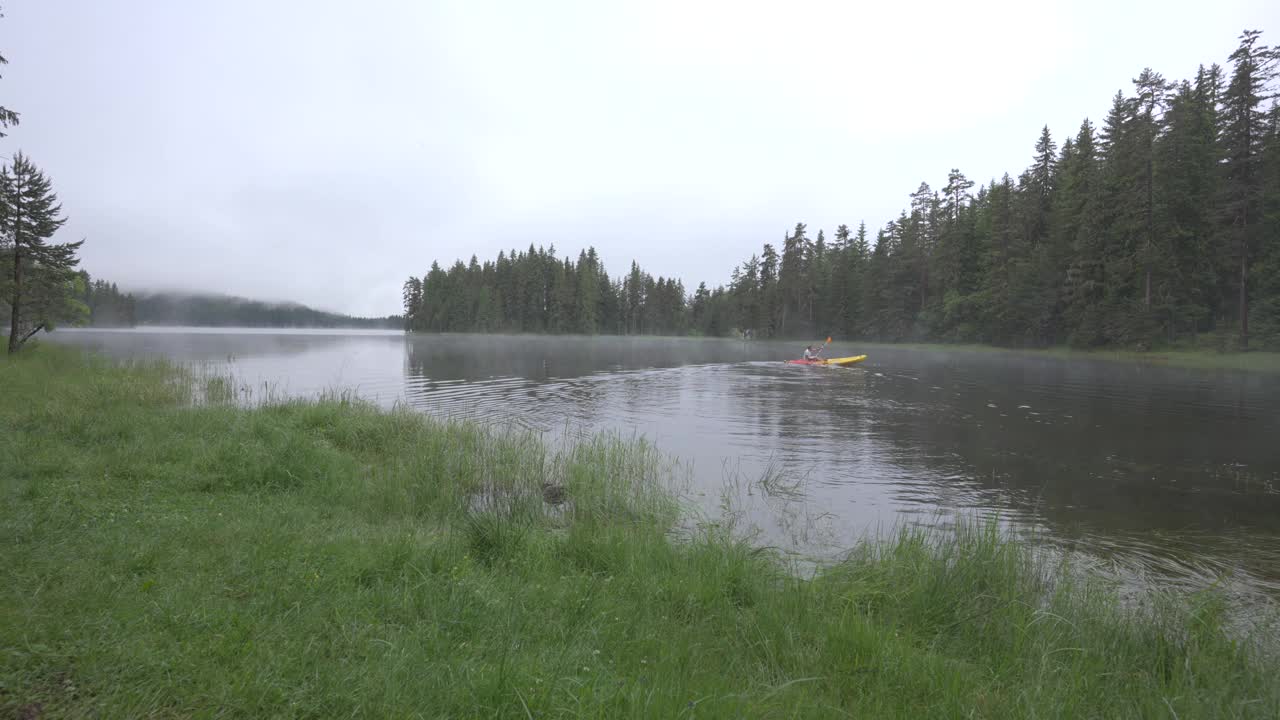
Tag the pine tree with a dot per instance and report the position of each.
(1151, 98)
(956, 193)
(876, 291)
(560, 318)
(41, 289)
(1243, 135)
(1001, 265)
(836, 298)
(957, 261)
(769, 301)
(588, 293)
(1034, 282)
(1076, 234)
(857, 258)
(412, 296)
(700, 311)
(1265, 310)
(746, 292)
(1123, 215)
(919, 235)
(792, 283)
(1040, 185)
(1186, 172)
(818, 272)
(633, 304)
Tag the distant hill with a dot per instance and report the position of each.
(170, 308)
(109, 307)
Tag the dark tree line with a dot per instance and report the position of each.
(535, 291)
(108, 307)
(1159, 226)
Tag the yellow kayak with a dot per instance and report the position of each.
(831, 361)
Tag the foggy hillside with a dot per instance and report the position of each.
(201, 309)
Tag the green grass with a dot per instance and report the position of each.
(331, 560)
(1199, 359)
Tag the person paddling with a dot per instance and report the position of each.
(811, 354)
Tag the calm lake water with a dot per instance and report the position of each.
(1170, 474)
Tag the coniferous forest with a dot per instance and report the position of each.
(1158, 226)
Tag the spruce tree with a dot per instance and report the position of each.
(791, 281)
(876, 292)
(1040, 185)
(1150, 101)
(836, 301)
(956, 193)
(957, 262)
(588, 293)
(1000, 266)
(1265, 308)
(40, 291)
(1186, 171)
(1123, 214)
(412, 297)
(818, 272)
(1243, 135)
(769, 310)
(1077, 234)
(919, 235)
(746, 291)
(857, 258)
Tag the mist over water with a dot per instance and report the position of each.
(1175, 470)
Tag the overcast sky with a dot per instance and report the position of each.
(323, 151)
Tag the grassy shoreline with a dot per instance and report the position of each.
(325, 559)
(1253, 361)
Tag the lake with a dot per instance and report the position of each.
(1169, 474)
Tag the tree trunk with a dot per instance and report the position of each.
(1150, 223)
(924, 285)
(32, 332)
(1244, 241)
(15, 303)
(1244, 291)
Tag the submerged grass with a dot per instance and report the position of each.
(324, 559)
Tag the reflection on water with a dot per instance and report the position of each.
(1179, 468)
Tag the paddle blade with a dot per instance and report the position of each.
(828, 339)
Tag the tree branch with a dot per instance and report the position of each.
(34, 330)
